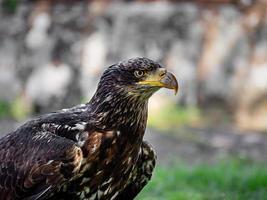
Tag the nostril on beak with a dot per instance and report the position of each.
(162, 72)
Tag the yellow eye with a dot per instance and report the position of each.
(139, 74)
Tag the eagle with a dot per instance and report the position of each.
(91, 151)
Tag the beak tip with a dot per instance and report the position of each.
(170, 82)
(175, 91)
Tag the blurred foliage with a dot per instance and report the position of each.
(10, 5)
(19, 109)
(172, 116)
(5, 109)
(231, 179)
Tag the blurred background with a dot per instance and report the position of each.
(211, 139)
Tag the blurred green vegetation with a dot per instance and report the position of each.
(226, 180)
(18, 109)
(10, 5)
(5, 109)
(172, 116)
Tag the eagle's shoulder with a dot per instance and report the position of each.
(65, 123)
(68, 115)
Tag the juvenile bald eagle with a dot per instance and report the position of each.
(92, 151)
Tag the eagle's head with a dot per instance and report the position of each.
(124, 89)
(137, 77)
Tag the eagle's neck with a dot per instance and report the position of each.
(120, 110)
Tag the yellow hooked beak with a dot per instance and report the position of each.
(161, 78)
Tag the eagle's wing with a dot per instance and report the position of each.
(33, 166)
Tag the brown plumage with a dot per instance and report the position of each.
(91, 151)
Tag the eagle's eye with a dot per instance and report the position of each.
(139, 74)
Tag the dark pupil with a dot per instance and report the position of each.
(139, 73)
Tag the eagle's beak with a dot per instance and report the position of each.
(161, 78)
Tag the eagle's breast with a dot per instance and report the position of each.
(108, 161)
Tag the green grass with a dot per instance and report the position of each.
(229, 180)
